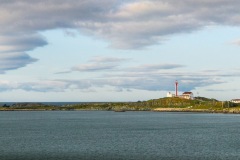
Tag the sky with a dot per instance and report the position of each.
(118, 50)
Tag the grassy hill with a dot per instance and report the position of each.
(173, 102)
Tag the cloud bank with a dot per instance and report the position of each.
(154, 77)
(128, 83)
(124, 24)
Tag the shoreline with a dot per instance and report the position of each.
(225, 111)
(231, 111)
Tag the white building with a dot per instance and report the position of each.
(187, 95)
(169, 94)
(235, 100)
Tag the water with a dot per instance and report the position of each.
(72, 135)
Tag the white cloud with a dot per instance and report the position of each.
(236, 42)
(125, 24)
(100, 59)
(154, 67)
(151, 77)
(94, 67)
(147, 83)
(97, 64)
(123, 80)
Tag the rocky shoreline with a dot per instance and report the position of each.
(235, 110)
(226, 111)
(121, 107)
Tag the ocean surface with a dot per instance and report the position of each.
(73, 135)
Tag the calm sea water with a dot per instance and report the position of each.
(72, 135)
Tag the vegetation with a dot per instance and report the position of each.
(199, 103)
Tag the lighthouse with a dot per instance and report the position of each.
(169, 94)
(176, 88)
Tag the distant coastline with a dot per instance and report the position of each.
(234, 111)
(230, 111)
(174, 104)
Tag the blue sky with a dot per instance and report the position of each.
(115, 50)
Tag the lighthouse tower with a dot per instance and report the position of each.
(176, 88)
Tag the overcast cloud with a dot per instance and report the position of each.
(144, 82)
(124, 24)
(155, 77)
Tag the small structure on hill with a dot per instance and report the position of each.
(185, 95)
(235, 100)
(169, 94)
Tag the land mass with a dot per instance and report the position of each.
(173, 104)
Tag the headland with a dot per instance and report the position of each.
(167, 104)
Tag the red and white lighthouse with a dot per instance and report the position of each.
(176, 88)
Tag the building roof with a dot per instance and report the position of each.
(187, 93)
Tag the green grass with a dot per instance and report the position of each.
(174, 102)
